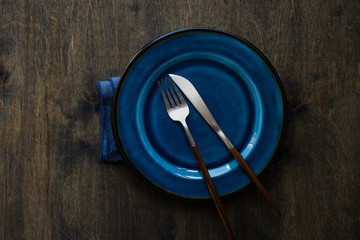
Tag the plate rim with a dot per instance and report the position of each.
(138, 55)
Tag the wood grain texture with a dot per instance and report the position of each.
(52, 185)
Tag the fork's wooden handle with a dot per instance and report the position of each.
(213, 191)
(253, 178)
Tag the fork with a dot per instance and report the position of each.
(178, 110)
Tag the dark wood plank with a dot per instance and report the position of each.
(52, 185)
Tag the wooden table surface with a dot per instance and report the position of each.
(52, 184)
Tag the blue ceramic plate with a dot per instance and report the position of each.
(240, 87)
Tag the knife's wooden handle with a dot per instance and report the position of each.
(213, 191)
(253, 178)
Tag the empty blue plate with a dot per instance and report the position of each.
(240, 87)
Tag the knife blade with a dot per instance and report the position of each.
(194, 97)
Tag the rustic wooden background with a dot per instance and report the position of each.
(52, 185)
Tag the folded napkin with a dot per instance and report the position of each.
(109, 151)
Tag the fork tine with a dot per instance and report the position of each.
(168, 94)
(178, 93)
(165, 99)
(171, 84)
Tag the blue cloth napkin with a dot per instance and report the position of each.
(109, 151)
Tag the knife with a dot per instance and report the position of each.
(194, 97)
